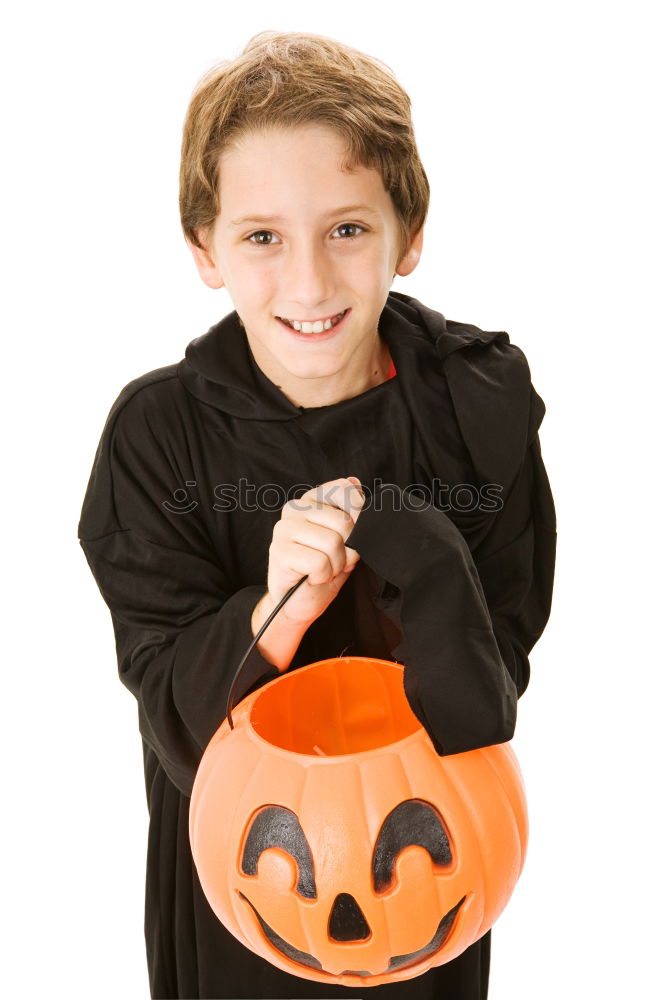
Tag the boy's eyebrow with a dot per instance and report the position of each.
(344, 210)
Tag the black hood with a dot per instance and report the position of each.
(488, 378)
(219, 367)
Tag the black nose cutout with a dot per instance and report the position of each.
(346, 922)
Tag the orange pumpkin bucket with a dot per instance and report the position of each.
(354, 854)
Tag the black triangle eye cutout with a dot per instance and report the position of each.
(413, 822)
(275, 826)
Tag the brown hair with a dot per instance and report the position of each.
(284, 79)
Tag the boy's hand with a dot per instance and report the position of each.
(310, 539)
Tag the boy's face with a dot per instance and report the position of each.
(282, 245)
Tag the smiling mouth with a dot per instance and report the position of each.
(315, 327)
(436, 942)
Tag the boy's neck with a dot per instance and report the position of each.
(307, 393)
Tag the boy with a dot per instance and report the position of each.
(302, 192)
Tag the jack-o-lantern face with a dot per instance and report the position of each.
(337, 844)
(411, 823)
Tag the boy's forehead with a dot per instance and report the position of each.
(270, 175)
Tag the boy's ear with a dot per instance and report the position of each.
(206, 266)
(412, 256)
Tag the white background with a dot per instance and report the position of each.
(540, 129)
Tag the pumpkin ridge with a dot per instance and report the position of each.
(509, 758)
(464, 797)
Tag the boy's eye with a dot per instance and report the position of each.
(261, 232)
(350, 225)
(263, 242)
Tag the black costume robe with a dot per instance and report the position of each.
(450, 583)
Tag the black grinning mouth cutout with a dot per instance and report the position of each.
(397, 962)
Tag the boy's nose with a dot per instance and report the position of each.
(308, 284)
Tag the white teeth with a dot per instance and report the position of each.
(317, 327)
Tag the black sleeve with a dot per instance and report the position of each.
(516, 566)
(467, 626)
(180, 629)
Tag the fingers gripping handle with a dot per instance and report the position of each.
(235, 684)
